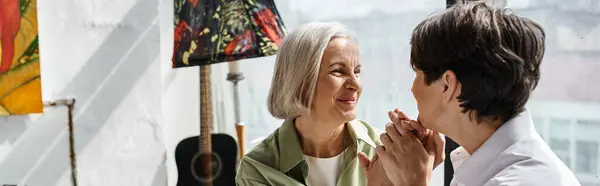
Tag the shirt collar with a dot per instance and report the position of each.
(290, 151)
(467, 166)
(360, 132)
(458, 156)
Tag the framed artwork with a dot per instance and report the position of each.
(20, 83)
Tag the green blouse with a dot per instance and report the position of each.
(278, 159)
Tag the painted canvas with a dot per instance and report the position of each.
(20, 83)
(214, 31)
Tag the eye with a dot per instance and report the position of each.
(337, 72)
(357, 72)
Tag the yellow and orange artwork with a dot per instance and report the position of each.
(20, 83)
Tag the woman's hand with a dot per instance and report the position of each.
(373, 170)
(399, 118)
(409, 152)
(404, 158)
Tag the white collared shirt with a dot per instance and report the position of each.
(515, 155)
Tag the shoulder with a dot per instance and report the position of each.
(260, 159)
(264, 152)
(250, 171)
(521, 175)
(533, 163)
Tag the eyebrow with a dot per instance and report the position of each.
(343, 64)
(337, 63)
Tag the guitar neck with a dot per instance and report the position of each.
(206, 119)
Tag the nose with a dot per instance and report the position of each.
(353, 83)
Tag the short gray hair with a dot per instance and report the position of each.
(297, 68)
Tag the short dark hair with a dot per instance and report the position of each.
(494, 53)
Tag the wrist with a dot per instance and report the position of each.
(424, 182)
(417, 180)
(424, 179)
(421, 183)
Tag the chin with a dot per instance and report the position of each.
(344, 113)
(424, 122)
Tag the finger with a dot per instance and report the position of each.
(439, 140)
(416, 125)
(440, 145)
(385, 139)
(430, 145)
(394, 117)
(364, 160)
(386, 159)
(402, 130)
(422, 135)
(406, 126)
(392, 132)
(383, 155)
(401, 114)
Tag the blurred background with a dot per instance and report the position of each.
(132, 108)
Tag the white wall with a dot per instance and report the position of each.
(131, 110)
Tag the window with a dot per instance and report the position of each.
(561, 148)
(587, 157)
(559, 145)
(568, 94)
(587, 146)
(539, 125)
(560, 128)
(595, 124)
(560, 135)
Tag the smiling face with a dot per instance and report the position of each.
(338, 85)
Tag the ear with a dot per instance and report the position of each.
(450, 86)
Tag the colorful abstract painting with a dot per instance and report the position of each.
(214, 31)
(20, 83)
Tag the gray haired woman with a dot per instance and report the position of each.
(315, 88)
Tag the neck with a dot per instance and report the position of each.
(322, 139)
(470, 134)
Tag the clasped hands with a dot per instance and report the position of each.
(408, 155)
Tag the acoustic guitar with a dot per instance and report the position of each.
(208, 159)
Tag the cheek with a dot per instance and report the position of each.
(326, 88)
(359, 87)
(412, 90)
(416, 91)
(414, 86)
(422, 99)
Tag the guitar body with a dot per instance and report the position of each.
(190, 164)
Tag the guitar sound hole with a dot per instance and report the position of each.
(206, 173)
